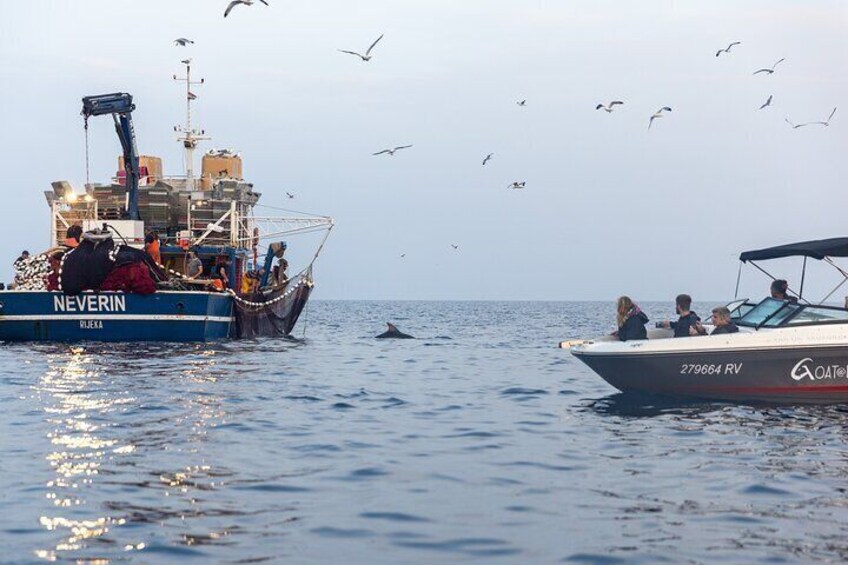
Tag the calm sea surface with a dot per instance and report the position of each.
(477, 442)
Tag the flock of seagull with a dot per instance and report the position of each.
(607, 107)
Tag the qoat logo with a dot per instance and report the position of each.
(800, 370)
(807, 369)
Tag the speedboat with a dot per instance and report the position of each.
(786, 351)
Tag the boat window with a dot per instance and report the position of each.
(817, 314)
(739, 308)
(781, 315)
(765, 310)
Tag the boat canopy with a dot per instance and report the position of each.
(817, 249)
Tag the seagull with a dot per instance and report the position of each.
(235, 3)
(608, 107)
(186, 61)
(771, 70)
(767, 103)
(183, 41)
(517, 184)
(825, 123)
(488, 158)
(658, 114)
(727, 50)
(402, 255)
(454, 246)
(392, 151)
(367, 56)
(289, 194)
(522, 102)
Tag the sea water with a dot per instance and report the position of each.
(477, 442)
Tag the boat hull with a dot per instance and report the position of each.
(779, 370)
(115, 316)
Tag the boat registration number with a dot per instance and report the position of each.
(711, 369)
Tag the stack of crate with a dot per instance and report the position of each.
(154, 205)
(111, 200)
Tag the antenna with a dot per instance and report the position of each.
(190, 136)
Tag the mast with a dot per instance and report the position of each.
(190, 136)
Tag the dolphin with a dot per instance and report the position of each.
(393, 333)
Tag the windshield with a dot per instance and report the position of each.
(820, 315)
(769, 313)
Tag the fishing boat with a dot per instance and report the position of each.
(110, 285)
(786, 351)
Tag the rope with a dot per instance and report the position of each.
(87, 178)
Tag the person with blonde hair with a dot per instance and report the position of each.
(631, 320)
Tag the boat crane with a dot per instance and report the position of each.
(120, 106)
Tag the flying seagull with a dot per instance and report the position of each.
(392, 151)
(767, 103)
(825, 123)
(454, 246)
(183, 41)
(608, 107)
(517, 184)
(488, 158)
(235, 3)
(402, 255)
(289, 194)
(522, 102)
(771, 70)
(727, 50)
(367, 56)
(658, 114)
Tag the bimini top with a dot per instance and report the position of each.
(817, 249)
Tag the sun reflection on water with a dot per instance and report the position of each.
(86, 395)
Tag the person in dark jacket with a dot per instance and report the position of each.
(687, 318)
(722, 322)
(779, 288)
(631, 320)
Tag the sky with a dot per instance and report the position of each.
(610, 207)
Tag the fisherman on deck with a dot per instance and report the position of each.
(73, 236)
(151, 246)
(194, 266)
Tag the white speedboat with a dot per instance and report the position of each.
(785, 351)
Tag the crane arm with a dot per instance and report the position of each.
(120, 106)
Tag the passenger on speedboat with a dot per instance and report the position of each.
(778, 290)
(687, 318)
(721, 320)
(631, 320)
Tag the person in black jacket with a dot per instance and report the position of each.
(779, 289)
(722, 322)
(687, 318)
(631, 320)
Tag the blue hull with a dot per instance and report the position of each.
(115, 316)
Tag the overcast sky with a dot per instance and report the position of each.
(610, 207)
